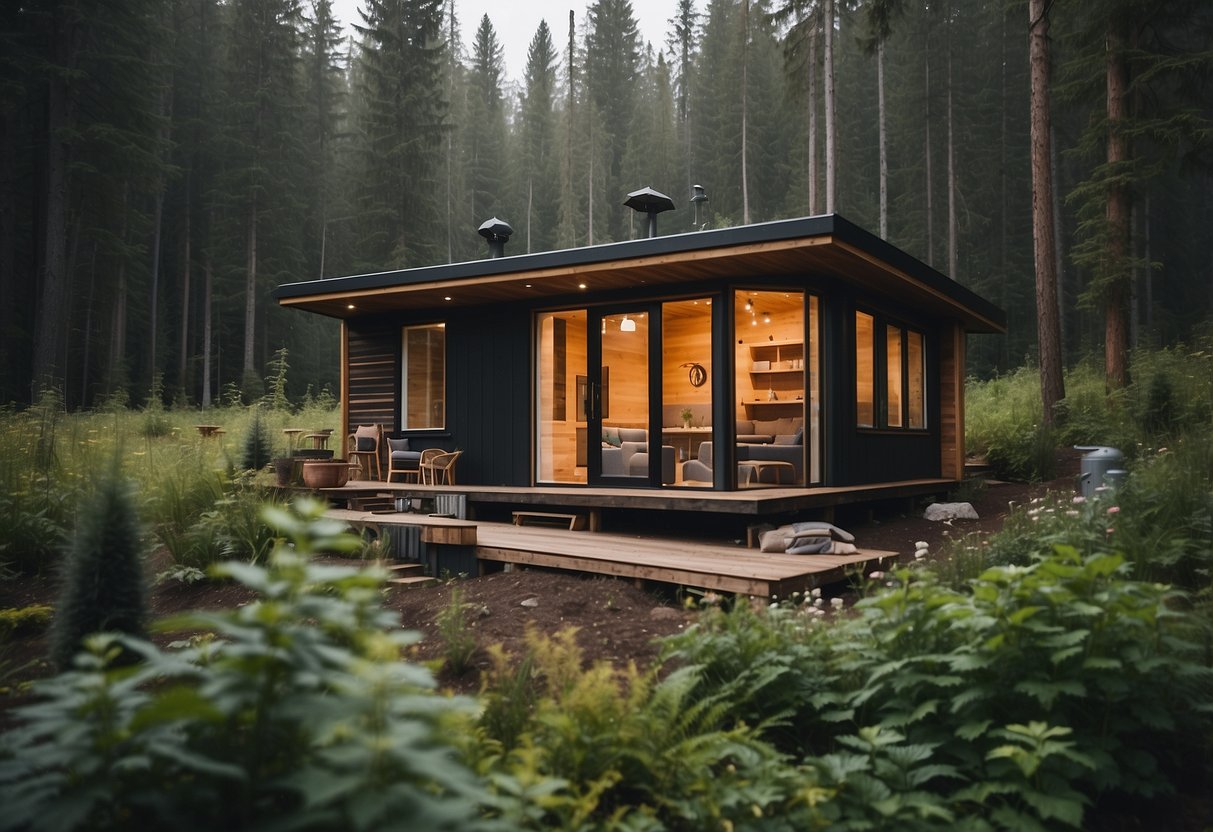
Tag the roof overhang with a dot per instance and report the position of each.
(826, 246)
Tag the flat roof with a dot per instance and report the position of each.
(827, 245)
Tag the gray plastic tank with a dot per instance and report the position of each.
(1097, 463)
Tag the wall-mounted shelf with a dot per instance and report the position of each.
(776, 366)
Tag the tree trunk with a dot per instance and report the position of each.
(50, 324)
(930, 187)
(250, 292)
(1116, 332)
(207, 299)
(117, 357)
(813, 120)
(831, 159)
(1048, 333)
(745, 56)
(953, 267)
(186, 288)
(884, 143)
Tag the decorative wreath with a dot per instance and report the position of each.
(697, 374)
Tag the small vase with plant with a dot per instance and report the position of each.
(686, 417)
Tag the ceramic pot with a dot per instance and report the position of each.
(328, 474)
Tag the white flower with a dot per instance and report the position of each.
(836, 603)
(875, 576)
(919, 554)
(819, 603)
(816, 592)
(922, 544)
(1079, 500)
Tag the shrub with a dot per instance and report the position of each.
(458, 639)
(258, 449)
(299, 716)
(103, 590)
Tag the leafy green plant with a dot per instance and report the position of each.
(458, 638)
(103, 589)
(300, 715)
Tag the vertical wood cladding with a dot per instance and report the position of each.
(489, 372)
(952, 401)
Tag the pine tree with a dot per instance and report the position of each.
(103, 589)
(538, 159)
(485, 146)
(401, 125)
(612, 59)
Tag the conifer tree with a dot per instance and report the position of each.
(485, 147)
(103, 588)
(401, 125)
(537, 161)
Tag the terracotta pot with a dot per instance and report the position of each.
(330, 474)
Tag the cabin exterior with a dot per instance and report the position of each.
(797, 355)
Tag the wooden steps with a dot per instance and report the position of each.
(408, 576)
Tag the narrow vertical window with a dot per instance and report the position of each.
(424, 382)
(865, 370)
(893, 377)
(916, 371)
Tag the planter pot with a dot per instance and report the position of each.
(282, 470)
(327, 474)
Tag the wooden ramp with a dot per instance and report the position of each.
(713, 566)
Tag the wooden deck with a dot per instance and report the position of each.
(713, 566)
(703, 565)
(750, 502)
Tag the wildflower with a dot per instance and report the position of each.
(919, 554)
(1079, 500)
(819, 603)
(1072, 514)
(875, 576)
(816, 592)
(1113, 510)
(922, 544)
(836, 603)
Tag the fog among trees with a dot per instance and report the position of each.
(164, 165)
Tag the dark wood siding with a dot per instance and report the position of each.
(489, 394)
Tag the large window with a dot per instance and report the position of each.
(893, 368)
(424, 377)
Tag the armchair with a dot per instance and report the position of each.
(363, 445)
(403, 461)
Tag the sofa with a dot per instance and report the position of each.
(779, 448)
(630, 457)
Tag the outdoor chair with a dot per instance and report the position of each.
(440, 468)
(403, 461)
(363, 446)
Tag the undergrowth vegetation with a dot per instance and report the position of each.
(1055, 675)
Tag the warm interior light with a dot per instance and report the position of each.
(448, 297)
(627, 325)
(351, 306)
(749, 306)
(766, 317)
(580, 285)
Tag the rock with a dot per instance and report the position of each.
(531, 602)
(950, 511)
(664, 614)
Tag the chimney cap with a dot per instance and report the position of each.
(700, 195)
(494, 229)
(649, 201)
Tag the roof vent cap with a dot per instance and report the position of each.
(650, 202)
(497, 232)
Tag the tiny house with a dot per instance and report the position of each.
(785, 357)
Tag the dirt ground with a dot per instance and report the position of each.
(616, 620)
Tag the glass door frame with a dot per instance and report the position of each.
(594, 392)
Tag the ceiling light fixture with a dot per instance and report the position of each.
(766, 317)
(448, 297)
(580, 285)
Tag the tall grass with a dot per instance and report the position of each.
(187, 493)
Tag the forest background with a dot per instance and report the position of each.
(165, 163)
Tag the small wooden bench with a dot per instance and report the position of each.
(576, 522)
(445, 530)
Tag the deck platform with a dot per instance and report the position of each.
(713, 566)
